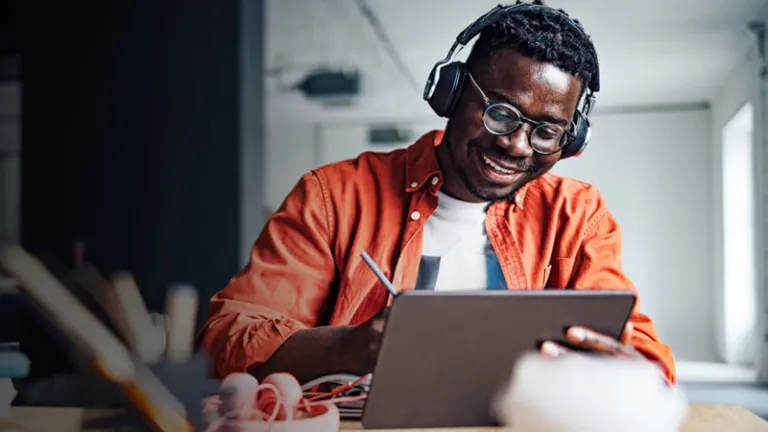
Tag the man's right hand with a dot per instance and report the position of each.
(314, 352)
(363, 342)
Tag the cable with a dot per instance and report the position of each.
(373, 20)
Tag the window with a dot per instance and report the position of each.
(739, 255)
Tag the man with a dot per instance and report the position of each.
(473, 207)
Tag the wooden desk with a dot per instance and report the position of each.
(702, 418)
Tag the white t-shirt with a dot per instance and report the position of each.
(456, 249)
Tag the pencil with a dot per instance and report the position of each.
(379, 274)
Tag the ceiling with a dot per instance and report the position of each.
(652, 52)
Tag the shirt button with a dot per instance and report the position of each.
(435, 180)
(415, 215)
(414, 184)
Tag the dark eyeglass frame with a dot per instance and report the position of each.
(565, 139)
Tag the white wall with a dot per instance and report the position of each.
(742, 86)
(290, 153)
(635, 159)
(654, 171)
(293, 149)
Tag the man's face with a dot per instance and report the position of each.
(481, 166)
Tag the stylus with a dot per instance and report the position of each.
(379, 274)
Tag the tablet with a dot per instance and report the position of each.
(445, 355)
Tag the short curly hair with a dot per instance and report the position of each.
(542, 34)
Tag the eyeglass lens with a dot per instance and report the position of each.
(502, 119)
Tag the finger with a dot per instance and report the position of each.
(627, 335)
(597, 342)
(377, 321)
(551, 349)
(378, 324)
(375, 335)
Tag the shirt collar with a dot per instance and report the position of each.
(421, 162)
(422, 167)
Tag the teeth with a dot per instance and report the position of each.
(496, 167)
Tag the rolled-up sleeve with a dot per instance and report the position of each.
(284, 287)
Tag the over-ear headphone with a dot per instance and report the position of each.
(446, 80)
(277, 404)
(274, 405)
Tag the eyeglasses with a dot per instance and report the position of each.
(501, 118)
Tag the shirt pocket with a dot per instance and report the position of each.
(558, 273)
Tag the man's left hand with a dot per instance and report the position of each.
(594, 342)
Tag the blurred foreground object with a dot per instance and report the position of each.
(7, 394)
(101, 352)
(13, 364)
(180, 305)
(134, 319)
(580, 393)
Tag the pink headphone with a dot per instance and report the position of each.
(275, 405)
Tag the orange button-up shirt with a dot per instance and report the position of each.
(305, 268)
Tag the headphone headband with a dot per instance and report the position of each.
(446, 80)
(501, 11)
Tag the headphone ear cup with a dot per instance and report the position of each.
(238, 395)
(583, 132)
(448, 87)
(289, 394)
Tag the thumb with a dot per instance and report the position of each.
(378, 321)
(627, 335)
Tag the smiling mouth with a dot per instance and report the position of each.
(498, 168)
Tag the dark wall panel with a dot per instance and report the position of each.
(131, 137)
